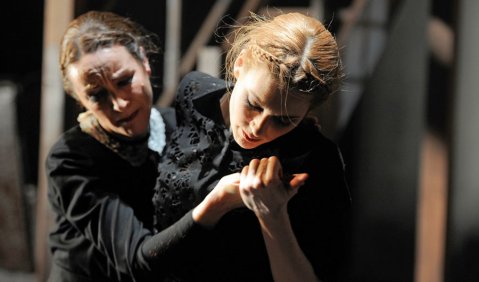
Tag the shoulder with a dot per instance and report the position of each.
(197, 84)
(74, 147)
(327, 168)
(307, 139)
(323, 151)
(198, 96)
(72, 140)
(312, 152)
(308, 150)
(203, 81)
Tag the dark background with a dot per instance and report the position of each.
(21, 62)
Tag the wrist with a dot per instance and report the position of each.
(274, 221)
(209, 211)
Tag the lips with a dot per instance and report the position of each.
(249, 138)
(128, 118)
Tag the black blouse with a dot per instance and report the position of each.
(103, 216)
(202, 150)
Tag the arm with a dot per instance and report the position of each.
(264, 192)
(88, 207)
(181, 238)
(81, 195)
(288, 262)
(222, 199)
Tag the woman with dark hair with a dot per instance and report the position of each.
(102, 172)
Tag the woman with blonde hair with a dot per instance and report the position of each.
(292, 186)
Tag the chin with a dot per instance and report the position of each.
(240, 141)
(247, 145)
(133, 133)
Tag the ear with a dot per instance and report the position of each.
(146, 62)
(239, 64)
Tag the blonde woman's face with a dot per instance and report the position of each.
(115, 87)
(258, 112)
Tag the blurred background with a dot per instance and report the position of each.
(406, 119)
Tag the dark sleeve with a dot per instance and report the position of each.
(321, 212)
(177, 246)
(78, 193)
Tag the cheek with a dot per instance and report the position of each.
(145, 93)
(246, 114)
(101, 113)
(244, 117)
(235, 113)
(100, 107)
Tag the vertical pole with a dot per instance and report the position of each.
(432, 206)
(57, 15)
(434, 176)
(14, 247)
(462, 253)
(172, 52)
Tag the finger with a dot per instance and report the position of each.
(253, 166)
(244, 174)
(297, 180)
(231, 182)
(244, 171)
(274, 170)
(263, 163)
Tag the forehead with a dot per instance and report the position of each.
(263, 88)
(105, 63)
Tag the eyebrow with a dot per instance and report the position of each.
(95, 78)
(258, 101)
(92, 78)
(119, 74)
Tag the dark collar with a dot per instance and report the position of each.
(208, 92)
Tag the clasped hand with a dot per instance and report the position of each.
(262, 187)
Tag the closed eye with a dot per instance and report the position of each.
(253, 107)
(98, 95)
(125, 82)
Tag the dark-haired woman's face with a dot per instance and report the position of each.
(115, 87)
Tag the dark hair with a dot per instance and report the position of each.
(94, 30)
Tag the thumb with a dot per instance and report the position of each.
(233, 178)
(230, 183)
(297, 180)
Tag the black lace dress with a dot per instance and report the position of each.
(202, 150)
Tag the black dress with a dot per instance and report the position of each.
(202, 150)
(104, 215)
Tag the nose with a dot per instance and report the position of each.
(258, 124)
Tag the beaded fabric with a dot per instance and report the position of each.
(201, 151)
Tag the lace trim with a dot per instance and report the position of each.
(157, 139)
(135, 152)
